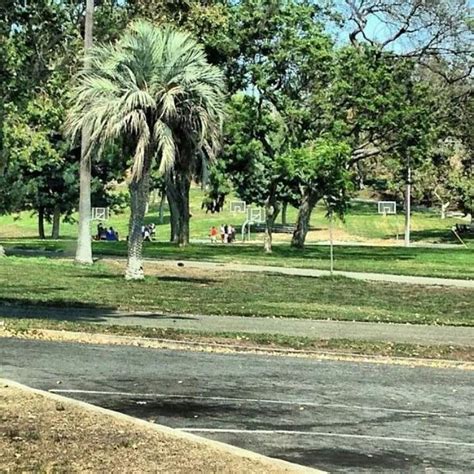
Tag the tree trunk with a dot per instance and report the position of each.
(161, 208)
(172, 195)
(284, 213)
(271, 213)
(444, 205)
(444, 208)
(139, 192)
(183, 185)
(308, 201)
(56, 223)
(41, 233)
(84, 239)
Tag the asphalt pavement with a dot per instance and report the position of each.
(337, 416)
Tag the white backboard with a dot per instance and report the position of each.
(238, 206)
(256, 215)
(387, 207)
(100, 213)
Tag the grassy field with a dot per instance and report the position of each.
(362, 223)
(57, 283)
(439, 262)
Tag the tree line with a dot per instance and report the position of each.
(288, 102)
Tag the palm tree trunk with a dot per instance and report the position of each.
(84, 238)
(41, 233)
(184, 183)
(308, 201)
(2, 153)
(139, 192)
(160, 209)
(173, 197)
(56, 223)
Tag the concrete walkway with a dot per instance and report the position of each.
(400, 333)
(308, 272)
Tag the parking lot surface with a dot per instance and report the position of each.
(337, 416)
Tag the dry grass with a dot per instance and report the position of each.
(38, 434)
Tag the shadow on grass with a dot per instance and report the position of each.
(204, 281)
(246, 253)
(60, 310)
(438, 235)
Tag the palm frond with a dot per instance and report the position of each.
(154, 89)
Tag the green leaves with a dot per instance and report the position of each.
(155, 89)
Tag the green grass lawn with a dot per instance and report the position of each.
(361, 223)
(57, 283)
(449, 263)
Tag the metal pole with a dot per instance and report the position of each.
(408, 207)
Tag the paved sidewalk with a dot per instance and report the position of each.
(386, 332)
(308, 272)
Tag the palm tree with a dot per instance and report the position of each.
(155, 93)
(84, 244)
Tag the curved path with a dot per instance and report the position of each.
(308, 272)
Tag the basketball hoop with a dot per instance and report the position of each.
(100, 213)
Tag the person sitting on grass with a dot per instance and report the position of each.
(100, 231)
(146, 234)
(111, 235)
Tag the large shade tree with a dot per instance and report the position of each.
(154, 93)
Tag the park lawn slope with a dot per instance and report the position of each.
(40, 434)
(440, 262)
(172, 289)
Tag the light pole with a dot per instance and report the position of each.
(408, 205)
(84, 239)
(331, 242)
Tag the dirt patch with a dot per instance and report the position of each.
(39, 434)
(339, 235)
(172, 270)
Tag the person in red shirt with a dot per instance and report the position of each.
(213, 234)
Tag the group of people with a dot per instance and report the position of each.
(106, 234)
(226, 232)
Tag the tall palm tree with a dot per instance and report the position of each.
(155, 93)
(84, 244)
